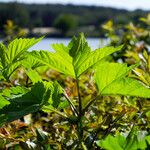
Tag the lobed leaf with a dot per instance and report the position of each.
(111, 79)
(56, 61)
(112, 143)
(14, 91)
(31, 63)
(17, 47)
(27, 103)
(94, 58)
(127, 87)
(33, 76)
(42, 95)
(133, 141)
(83, 57)
(12, 56)
(74, 59)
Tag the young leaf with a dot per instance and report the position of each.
(111, 79)
(79, 50)
(56, 61)
(7, 71)
(30, 62)
(12, 56)
(74, 59)
(34, 76)
(18, 46)
(83, 57)
(94, 58)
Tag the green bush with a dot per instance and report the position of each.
(80, 101)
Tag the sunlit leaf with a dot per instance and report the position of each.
(112, 143)
(3, 102)
(111, 79)
(14, 91)
(31, 62)
(17, 47)
(135, 140)
(12, 56)
(33, 76)
(55, 61)
(74, 59)
(95, 57)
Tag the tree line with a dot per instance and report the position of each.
(64, 17)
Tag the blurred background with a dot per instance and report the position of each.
(59, 20)
(104, 22)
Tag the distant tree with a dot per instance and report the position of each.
(64, 17)
(18, 13)
(66, 22)
(12, 31)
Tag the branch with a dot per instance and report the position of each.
(56, 111)
(72, 105)
(90, 103)
(79, 98)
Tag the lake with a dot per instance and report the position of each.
(45, 44)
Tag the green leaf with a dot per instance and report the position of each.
(7, 71)
(94, 58)
(28, 103)
(14, 91)
(43, 95)
(74, 59)
(31, 62)
(3, 119)
(3, 55)
(79, 50)
(128, 87)
(84, 58)
(148, 139)
(112, 143)
(18, 46)
(1, 67)
(57, 95)
(34, 76)
(56, 61)
(57, 100)
(135, 140)
(106, 73)
(3, 102)
(50, 108)
(62, 49)
(12, 56)
(19, 90)
(63, 104)
(111, 80)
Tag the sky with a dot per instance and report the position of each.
(126, 4)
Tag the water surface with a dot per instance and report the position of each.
(45, 44)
